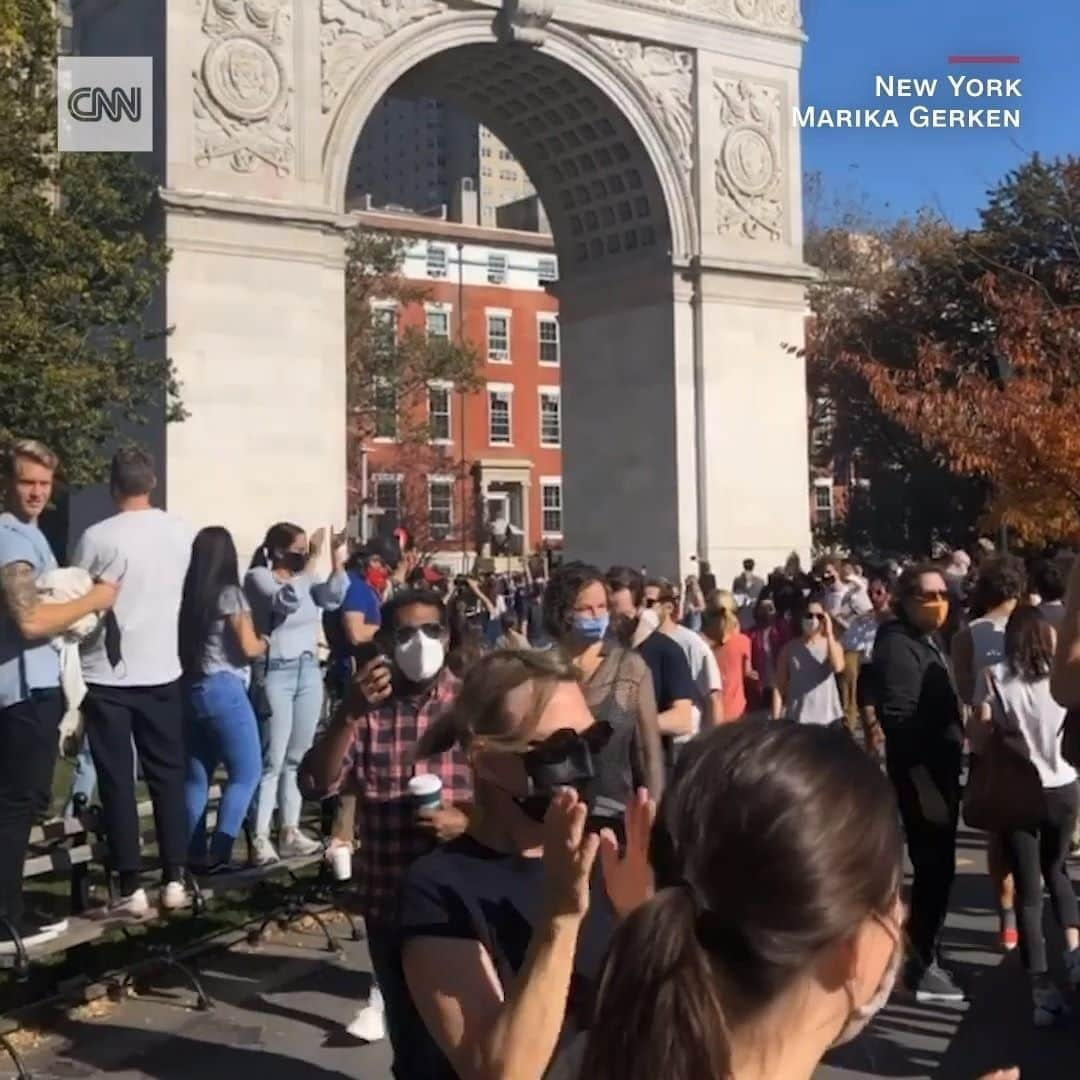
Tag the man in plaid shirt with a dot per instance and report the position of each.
(368, 751)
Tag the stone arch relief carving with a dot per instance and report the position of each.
(350, 28)
(667, 78)
(748, 168)
(243, 86)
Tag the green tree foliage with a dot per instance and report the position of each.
(79, 269)
(390, 362)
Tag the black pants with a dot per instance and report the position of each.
(416, 1055)
(928, 791)
(28, 742)
(153, 716)
(1038, 854)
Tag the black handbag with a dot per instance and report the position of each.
(1004, 792)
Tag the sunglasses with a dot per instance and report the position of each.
(817, 616)
(651, 601)
(559, 745)
(829, 579)
(404, 634)
(934, 594)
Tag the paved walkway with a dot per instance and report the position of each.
(281, 1011)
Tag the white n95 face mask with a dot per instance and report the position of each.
(420, 658)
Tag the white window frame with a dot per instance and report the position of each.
(498, 268)
(549, 318)
(381, 383)
(438, 309)
(544, 262)
(397, 479)
(508, 390)
(556, 393)
(545, 483)
(448, 387)
(439, 266)
(824, 484)
(450, 482)
(497, 356)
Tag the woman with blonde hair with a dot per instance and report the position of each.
(731, 647)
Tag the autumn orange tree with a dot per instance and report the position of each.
(958, 352)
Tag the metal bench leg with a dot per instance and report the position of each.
(22, 961)
(17, 1061)
(168, 958)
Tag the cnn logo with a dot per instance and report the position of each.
(105, 104)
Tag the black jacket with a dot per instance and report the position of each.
(917, 703)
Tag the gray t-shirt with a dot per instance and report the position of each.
(147, 552)
(222, 650)
(812, 693)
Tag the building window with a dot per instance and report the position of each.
(440, 507)
(439, 413)
(548, 332)
(507, 174)
(496, 270)
(384, 330)
(550, 417)
(823, 502)
(499, 405)
(387, 491)
(547, 271)
(436, 261)
(551, 506)
(498, 335)
(438, 324)
(385, 410)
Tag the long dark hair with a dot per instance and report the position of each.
(773, 841)
(1029, 645)
(213, 568)
(561, 595)
(278, 538)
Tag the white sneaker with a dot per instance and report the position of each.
(135, 906)
(174, 896)
(1072, 968)
(262, 852)
(294, 844)
(369, 1024)
(1049, 1005)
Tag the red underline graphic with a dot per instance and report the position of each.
(984, 59)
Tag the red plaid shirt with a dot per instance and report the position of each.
(376, 769)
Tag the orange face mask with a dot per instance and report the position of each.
(932, 614)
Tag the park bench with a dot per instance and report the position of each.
(75, 845)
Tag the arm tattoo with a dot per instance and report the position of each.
(18, 591)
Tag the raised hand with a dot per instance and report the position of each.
(569, 854)
(628, 877)
(318, 539)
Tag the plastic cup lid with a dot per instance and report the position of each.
(425, 784)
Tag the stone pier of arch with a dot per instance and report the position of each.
(658, 134)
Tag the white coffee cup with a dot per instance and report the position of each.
(426, 791)
(341, 861)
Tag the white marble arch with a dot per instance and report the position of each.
(657, 133)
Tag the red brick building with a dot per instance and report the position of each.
(489, 480)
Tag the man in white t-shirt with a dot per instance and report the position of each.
(662, 596)
(132, 672)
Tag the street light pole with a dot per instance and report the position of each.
(462, 479)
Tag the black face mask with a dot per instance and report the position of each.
(295, 561)
(565, 759)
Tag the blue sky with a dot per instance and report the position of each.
(897, 171)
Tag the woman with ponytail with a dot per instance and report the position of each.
(287, 601)
(774, 932)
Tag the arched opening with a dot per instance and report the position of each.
(618, 217)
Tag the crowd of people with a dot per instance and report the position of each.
(601, 824)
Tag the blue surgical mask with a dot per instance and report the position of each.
(591, 627)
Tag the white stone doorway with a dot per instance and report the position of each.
(658, 134)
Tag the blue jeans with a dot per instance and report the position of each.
(295, 691)
(221, 728)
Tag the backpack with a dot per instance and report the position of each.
(1070, 738)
